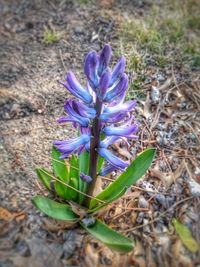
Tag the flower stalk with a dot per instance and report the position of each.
(94, 145)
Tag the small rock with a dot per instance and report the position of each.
(29, 25)
(142, 202)
(197, 171)
(161, 126)
(79, 30)
(15, 108)
(7, 26)
(140, 217)
(192, 215)
(160, 77)
(22, 248)
(72, 240)
(155, 95)
(7, 116)
(162, 140)
(19, 28)
(194, 188)
(146, 228)
(161, 200)
(88, 221)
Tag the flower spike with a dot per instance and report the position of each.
(100, 105)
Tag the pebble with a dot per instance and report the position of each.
(142, 202)
(197, 171)
(15, 108)
(140, 217)
(7, 26)
(155, 95)
(72, 240)
(161, 200)
(22, 248)
(194, 187)
(88, 221)
(79, 30)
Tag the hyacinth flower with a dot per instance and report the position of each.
(101, 116)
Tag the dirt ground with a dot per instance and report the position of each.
(31, 101)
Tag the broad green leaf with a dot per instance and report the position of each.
(83, 161)
(108, 202)
(54, 209)
(45, 177)
(59, 166)
(73, 177)
(185, 236)
(74, 167)
(61, 190)
(72, 194)
(109, 237)
(134, 171)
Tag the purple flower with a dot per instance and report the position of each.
(75, 88)
(117, 89)
(91, 68)
(108, 141)
(112, 159)
(78, 113)
(104, 60)
(107, 169)
(118, 70)
(103, 84)
(67, 147)
(72, 106)
(118, 112)
(85, 178)
(121, 131)
(84, 122)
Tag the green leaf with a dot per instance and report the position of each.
(109, 237)
(100, 159)
(73, 178)
(185, 236)
(74, 167)
(59, 166)
(61, 190)
(45, 177)
(72, 194)
(134, 171)
(83, 160)
(108, 202)
(100, 163)
(54, 209)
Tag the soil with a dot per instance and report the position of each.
(31, 101)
